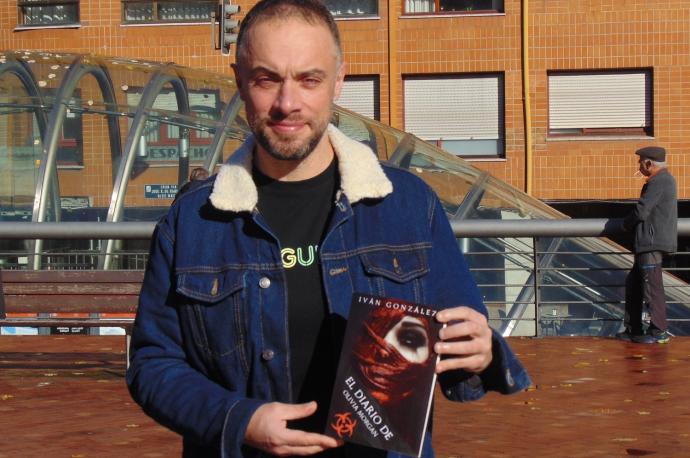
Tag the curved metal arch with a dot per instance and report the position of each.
(216, 146)
(47, 173)
(22, 71)
(151, 91)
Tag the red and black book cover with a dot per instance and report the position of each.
(386, 374)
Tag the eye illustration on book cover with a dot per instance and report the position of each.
(385, 379)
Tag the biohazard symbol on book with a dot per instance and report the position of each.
(344, 425)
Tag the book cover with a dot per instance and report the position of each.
(386, 374)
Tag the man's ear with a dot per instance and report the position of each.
(339, 80)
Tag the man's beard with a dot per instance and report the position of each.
(285, 149)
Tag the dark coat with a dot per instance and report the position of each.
(655, 216)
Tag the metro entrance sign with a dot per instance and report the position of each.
(160, 191)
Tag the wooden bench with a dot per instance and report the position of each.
(70, 298)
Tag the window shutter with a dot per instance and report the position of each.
(599, 100)
(453, 108)
(359, 94)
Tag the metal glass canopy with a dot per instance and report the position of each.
(87, 138)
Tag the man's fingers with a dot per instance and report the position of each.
(465, 347)
(465, 341)
(296, 442)
(461, 313)
(299, 438)
(289, 450)
(473, 364)
(462, 329)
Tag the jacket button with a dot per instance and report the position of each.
(264, 282)
(267, 355)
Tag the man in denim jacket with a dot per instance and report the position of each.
(251, 274)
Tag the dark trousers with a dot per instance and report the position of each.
(644, 285)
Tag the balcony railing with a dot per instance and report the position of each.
(534, 279)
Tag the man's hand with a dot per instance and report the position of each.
(268, 431)
(466, 340)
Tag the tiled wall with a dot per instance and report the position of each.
(606, 34)
(563, 34)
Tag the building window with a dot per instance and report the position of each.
(463, 114)
(70, 147)
(166, 11)
(160, 141)
(37, 13)
(600, 103)
(361, 95)
(350, 8)
(453, 6)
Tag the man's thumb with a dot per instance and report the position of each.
(296, 411)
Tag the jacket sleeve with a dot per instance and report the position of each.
(455, 286)
(650, 197)
(159, 378)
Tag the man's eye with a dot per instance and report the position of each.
(311, 82)
(264, 81)
(411, 338)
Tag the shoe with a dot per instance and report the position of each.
(625, 336)
(643, 339)
(662, 337)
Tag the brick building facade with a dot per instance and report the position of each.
(605, 76)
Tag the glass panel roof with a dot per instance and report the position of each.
(88, 138)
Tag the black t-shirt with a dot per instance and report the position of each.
(297, 213)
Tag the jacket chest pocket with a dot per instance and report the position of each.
(213, 312)
(396, 272)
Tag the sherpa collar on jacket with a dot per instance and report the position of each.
(361, 175)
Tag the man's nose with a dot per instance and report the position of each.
(288, 99)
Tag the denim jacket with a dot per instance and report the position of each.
(210, 341)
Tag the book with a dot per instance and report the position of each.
(386, 374)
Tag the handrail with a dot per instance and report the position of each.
(76, 230)
(581, 227)
(576, 227)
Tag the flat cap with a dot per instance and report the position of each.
(655, 153)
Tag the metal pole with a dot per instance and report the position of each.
(537, 287)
